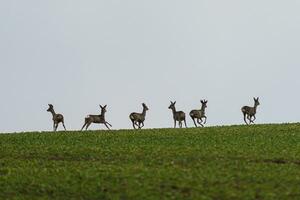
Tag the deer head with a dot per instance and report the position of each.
(50, 108)
(172, 105)
(204, 103)
(256, 101)
(103, 109)
(144, 106)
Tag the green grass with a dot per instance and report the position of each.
(236, 162)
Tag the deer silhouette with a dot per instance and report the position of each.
(177, 115)
(98, 119)
(249, 112)
(199, 114)
(138, 119)
(57, 118)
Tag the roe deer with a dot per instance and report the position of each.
(98, 119)
(177, 115)
(199, 114)
(250, 112)
(57, 118)
(138, 119)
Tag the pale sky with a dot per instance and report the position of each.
(79, 54)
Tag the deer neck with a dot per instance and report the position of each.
(53, 112)
(144, 112)
(255, 107)
(102, 114)
(174, 110)
(202, 109)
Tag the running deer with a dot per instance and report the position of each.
(250, 112)
(138, 119)
(57, 118)
(199, 114)
(177, 115)
(98, 119)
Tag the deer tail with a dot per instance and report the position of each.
(244, 114)
(243, 110)
(131, 117)
(191, 114)
(86, 119)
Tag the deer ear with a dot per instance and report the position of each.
(105, 106)
(174, 102)
(100, 106)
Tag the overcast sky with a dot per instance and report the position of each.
(79, 54)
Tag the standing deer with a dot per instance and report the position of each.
(98, 119)
(177, 115)
(57, 118)
(138, 119)
(250, 112)
(199, 114)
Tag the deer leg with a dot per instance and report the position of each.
(245, 118)
(87, 125)
(174, 123)
(185, 123)
(133, 124)
(194, 121)
(205, 119)
(180, 124)
(249, 118)
(105, 123)
(108, 124)
(56, 125)
(53, 126)
(83, 126)
(64, 126)
(254, 118)
(200, 122)
(142, 123)
(252, 121)
(139, 125)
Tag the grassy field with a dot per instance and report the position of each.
(236, 162)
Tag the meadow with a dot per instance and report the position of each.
(230, 162)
